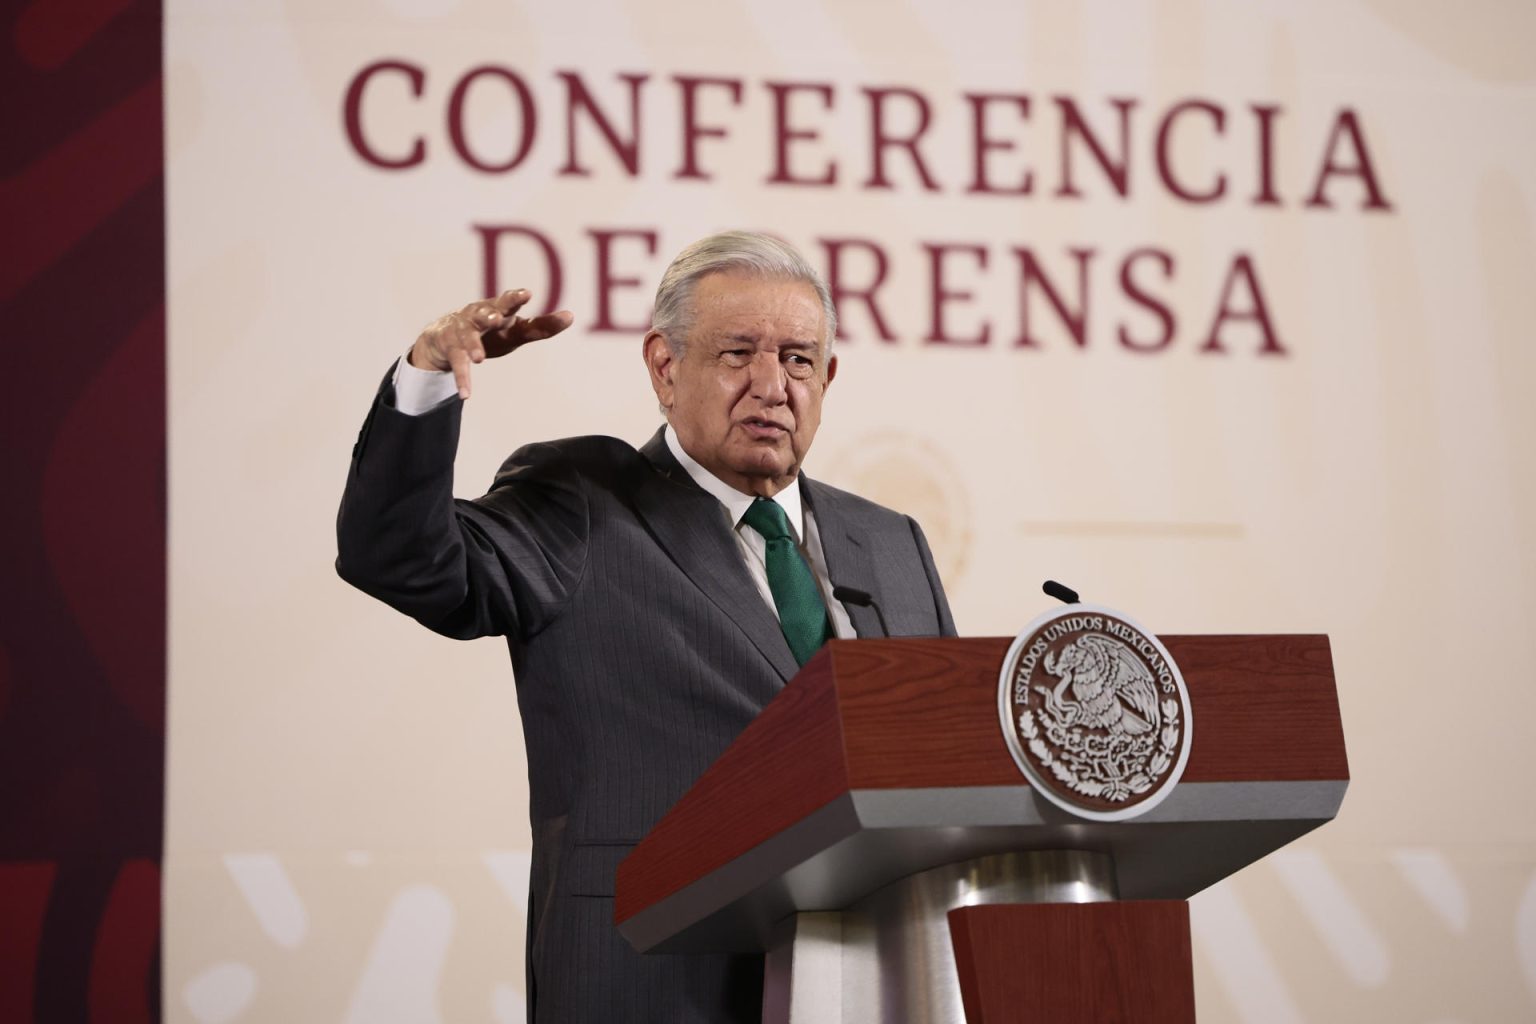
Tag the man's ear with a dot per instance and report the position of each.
(831, 370)
(659, 362)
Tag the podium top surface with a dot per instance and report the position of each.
(886, 757)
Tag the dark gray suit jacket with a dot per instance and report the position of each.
(640, 646)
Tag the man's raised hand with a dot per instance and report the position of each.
(484, 329)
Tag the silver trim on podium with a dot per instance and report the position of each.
(865, 840)
(889, 958)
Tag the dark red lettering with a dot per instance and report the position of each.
(456, 118)
(607, 282)
(1266, 195)
(783, 134)
(1073, 125)
(1147, 301)
(940, 296)
(692, 130)
(982, 144)
(881, 139)
(352, 114)
(1255, 312)
(1347, 128)
(627, 150)
(1165, 161)
(490, 239)
(843, 294)
(1031, 273)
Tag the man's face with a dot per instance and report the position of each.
(745, 394)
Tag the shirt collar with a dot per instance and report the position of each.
(736, 503)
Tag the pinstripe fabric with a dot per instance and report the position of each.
(640, 646)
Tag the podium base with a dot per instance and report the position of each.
(890, 958)
(1076, 965)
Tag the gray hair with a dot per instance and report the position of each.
(735, 252)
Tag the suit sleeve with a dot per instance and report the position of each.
(502, 564)
(940, 601)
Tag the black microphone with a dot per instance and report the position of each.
(853, 595)
(1066, 595)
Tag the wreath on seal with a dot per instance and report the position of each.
(1122, 763)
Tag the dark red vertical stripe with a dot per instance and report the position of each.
(24, 890)
(82, 520)
(126, 953)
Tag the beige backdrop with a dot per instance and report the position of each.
(346, 823)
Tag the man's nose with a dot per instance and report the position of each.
(768, 379)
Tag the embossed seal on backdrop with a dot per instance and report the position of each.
(1095, 712)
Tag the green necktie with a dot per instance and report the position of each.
(802, 616)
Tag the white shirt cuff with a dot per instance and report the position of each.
(417, 391)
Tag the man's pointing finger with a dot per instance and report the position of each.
(509, 302)
(546, 326)
(459, 360)
(517, 332)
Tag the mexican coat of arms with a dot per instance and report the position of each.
(1095, 712)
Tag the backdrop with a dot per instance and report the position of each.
(1220, 314)
(83, 520)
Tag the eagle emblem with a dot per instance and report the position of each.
(1095, 712)
(1111, 689)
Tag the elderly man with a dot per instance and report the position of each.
(653, 601)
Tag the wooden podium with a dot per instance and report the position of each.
(871, 833)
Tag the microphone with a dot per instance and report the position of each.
(1066, 595)
(853, 595)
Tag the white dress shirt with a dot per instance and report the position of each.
(418, 390)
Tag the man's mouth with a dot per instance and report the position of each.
(764, 429)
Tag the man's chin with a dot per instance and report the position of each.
(768, 466)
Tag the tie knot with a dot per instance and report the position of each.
(767, 518)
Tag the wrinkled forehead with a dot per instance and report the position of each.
(738, 303)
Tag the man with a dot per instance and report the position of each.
(653, 601)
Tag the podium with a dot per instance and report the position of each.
(871, 833)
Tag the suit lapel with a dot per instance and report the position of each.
(848, 559)
(690, 526)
